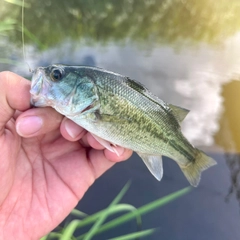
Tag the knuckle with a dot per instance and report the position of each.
(4, 74)
(4, 77)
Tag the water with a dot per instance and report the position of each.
(188, 54)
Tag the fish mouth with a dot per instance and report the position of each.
(36, 82)
(39, 88)
(37, 101)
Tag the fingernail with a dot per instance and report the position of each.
(72, 128)
(29, 125)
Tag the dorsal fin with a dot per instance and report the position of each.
(136, 85)
(139, 87)
(178, 112)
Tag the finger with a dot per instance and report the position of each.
(14, 95)
(71, 131)
(37, 121)
(84, 142)
(101, 161)
(17, 114)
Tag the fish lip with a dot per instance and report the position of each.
(37, 99)
(37, 76)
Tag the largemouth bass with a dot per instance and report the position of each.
(120, 111)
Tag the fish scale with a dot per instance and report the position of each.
(128, 108)
(120, 111)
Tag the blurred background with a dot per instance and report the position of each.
(187, 52)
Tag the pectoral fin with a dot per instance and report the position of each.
(110, 146)
(154, 164)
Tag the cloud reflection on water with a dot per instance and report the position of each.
(192, 78)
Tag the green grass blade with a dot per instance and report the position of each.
(131, 236)
(142, 210)
(7, 25)
(69, 230)
(78, 213)
(51, 235)
(71, 227)
(103, 217)
(33, 37)
(90, 219)
(118, 198)
(117, 208)
(44, 238)
(145, 209)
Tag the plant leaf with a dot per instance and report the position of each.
(102, 218)
(78, 213)
(142, 210)
(69, 230)
(135, 235)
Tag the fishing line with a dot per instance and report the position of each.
(23, 38)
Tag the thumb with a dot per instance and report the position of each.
(14, 95)
(38, 121)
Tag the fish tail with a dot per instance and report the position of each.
(193, 171)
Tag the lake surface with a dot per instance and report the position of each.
(187, 53)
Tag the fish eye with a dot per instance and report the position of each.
(56, 75)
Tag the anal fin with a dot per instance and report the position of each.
(154, 164)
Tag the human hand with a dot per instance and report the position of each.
(47, 163)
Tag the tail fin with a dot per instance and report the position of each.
(193, 171)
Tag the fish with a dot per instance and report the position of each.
(119, 111)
